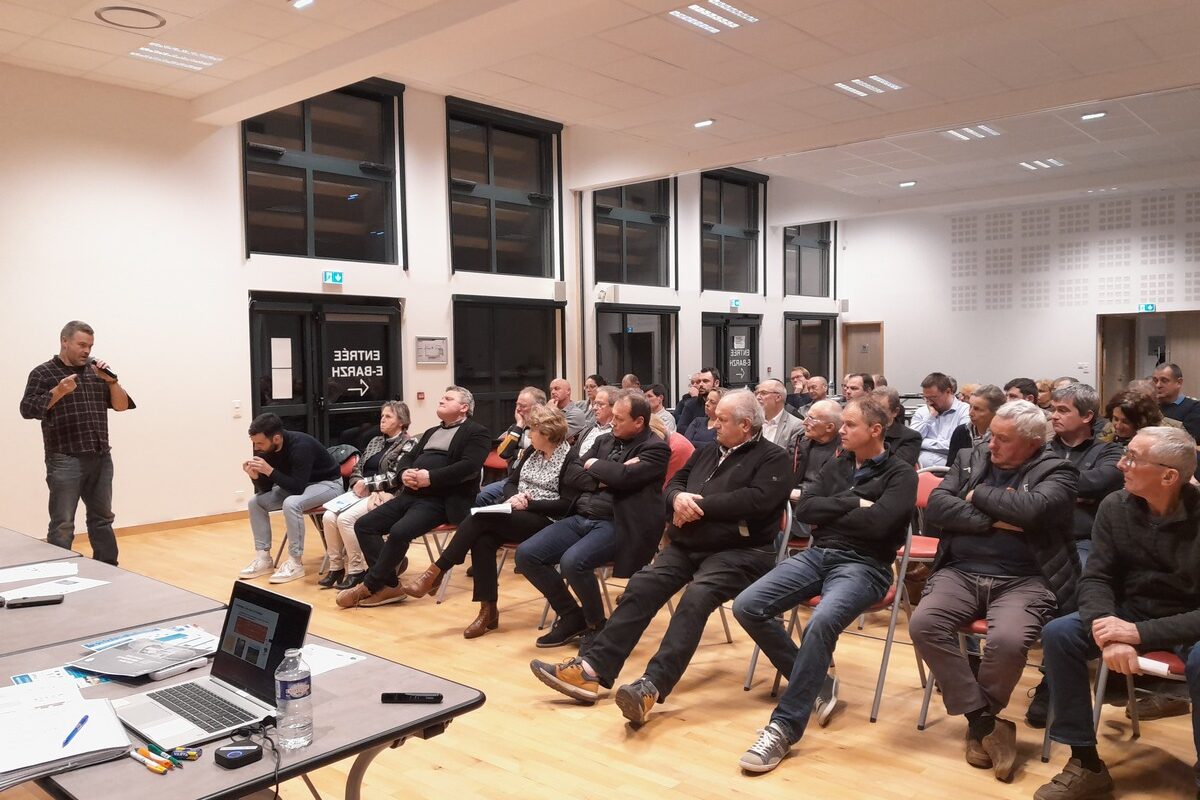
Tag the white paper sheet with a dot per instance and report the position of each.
(323, 659)
(182, 635)
(1149, 666)
(499, 508)
(61, 586)
(47, 569)
(81, 679)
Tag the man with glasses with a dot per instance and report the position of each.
(820, 443)
(1168, 390)
(779, 426)
(602, 411)
(1140, 592)
(937, 419)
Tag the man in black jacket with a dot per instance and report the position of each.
(859, 511)
(902, 441)
(692, 407)
(1006, 554)
(1140, 591)
(725, 505)
(435, 482)
(1168, 389)
(818, 445)
(617, 519)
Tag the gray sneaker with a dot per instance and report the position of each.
(826, 700)
(766, 753)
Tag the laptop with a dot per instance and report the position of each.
(260, 626)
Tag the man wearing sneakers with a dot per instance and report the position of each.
(291, 471)
(859, 510)
(725, 505)
(1140, 591)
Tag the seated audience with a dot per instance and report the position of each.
(602, 408)
(1005, 555)
(819, 445)
(435, 482)
(779, 427)
(725, 507)
(983, 404)
(1044, 388)
(681, 448)
(631, 381)
(880, 381)
(590, 386)
(513, 442)
(347, 565)
(618, 519)
(1174, 404)
(1139, 592)
(291, 471)
(857, 384)
(798, 396)
(964, 393)
(704, 429)
(818, 390)
(901, 440)
(539, 491)
(1129, 412)
(937, 419)
(1022, 389)
(859, 510)
(1062, 381)
(656, 395)
(692, 407)
(560, 398)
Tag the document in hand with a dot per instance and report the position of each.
(47, 727)
(343, 501)
(499, 508)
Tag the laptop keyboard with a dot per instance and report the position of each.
(202, 708)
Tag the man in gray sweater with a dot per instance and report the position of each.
(1139, 592)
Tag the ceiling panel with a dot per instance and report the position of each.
(21, 19)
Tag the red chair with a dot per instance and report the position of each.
(315, 513)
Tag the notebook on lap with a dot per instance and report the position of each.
(259, 627)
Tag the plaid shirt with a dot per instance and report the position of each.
(78, 423)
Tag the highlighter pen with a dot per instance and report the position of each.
(162, 762)
(158, 751)
(150, 765)
(78, 727)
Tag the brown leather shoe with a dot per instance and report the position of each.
(1001, 747)
(386, 595)
(976, 756)
(488, 620)
(428, 581)
(349, 598)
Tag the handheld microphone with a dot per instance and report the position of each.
(92, 362)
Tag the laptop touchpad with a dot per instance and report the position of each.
(151, 715)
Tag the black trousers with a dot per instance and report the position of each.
(482, 535)
(711, 578)
(402, 519)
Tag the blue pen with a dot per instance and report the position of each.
(75, 730)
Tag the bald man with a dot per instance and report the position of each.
(560, 397)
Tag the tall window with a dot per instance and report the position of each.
(320, 176)
(501, 191)
(806, 342)
(631, 233)
(806, 250)
(729, 241)
(635, 341)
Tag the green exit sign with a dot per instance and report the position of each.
(331, 278)
(1147, 308)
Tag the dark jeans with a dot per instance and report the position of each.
(491, 494)
(711, 579)
(1067, 646)
(848, 584)
(482, 535)
(403, 518)
(578, 546)
(87, 478)
(1084, 548)
(1015, 610)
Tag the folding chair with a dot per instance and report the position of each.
(978, 629)
(316, 512)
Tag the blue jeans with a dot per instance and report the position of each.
(293, 507)
(578, 546)
(1067, 646)
(491, 494)
(848, 584)
(87, 478)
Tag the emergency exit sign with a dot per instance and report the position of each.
(1147, 308)
(331, 278)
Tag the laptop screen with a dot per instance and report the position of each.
(260, 626)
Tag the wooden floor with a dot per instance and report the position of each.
(529, 742)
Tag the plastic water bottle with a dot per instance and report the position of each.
(293, 702)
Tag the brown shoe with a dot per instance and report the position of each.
(488, 620)
(386, 595)
(1001, 747)
(428, 581)
(349, 598)
(1076, 783)
(976, 756)
(1158, 706)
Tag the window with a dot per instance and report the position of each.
(631, 233)
(729, 240)
(500, 348)
(806, 343)
(501, 191)
(320, 176)
(806, 259)
(637, 341)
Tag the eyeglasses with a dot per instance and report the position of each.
(1132, 459)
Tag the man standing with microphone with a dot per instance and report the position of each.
(71, 394)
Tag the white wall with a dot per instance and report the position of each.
(118, 210)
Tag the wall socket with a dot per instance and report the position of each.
(239, 497)
(237, 409)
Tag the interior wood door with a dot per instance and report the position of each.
(1183, 347)
(862, 348)
(1118, 354)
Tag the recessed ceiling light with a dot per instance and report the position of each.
(973, 132)
(874, 84)
(907, 184)
(704, 12)
(737, 12)
(1044, 163)
(895, 87)
(704, 123)
(958, 135)
(137, 19)
(1094, 115)
(847, 88)
(704, 26)
(301, 3)
(175, 56)
(870, 87)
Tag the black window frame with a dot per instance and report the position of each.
(756, 192)
(670, 349)
(390, 173)
(792, 239)
(660, 218)
(549, 138)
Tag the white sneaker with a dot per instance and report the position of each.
(826, 700)
(261, 565)
(289, 570)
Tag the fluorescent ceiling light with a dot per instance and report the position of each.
(846, 88)
(704, 123)
(704, 12)
(908, 184)
(1027, 165)
(302, 3)
(175, 56)
(1094, 115)
(737, 12)
(895, 87)
(872, 83)
(868, 86)
(704, 26)
(958, 135)
(1055, 162)
(1044, 163)
(972, 132)
(989, 130)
